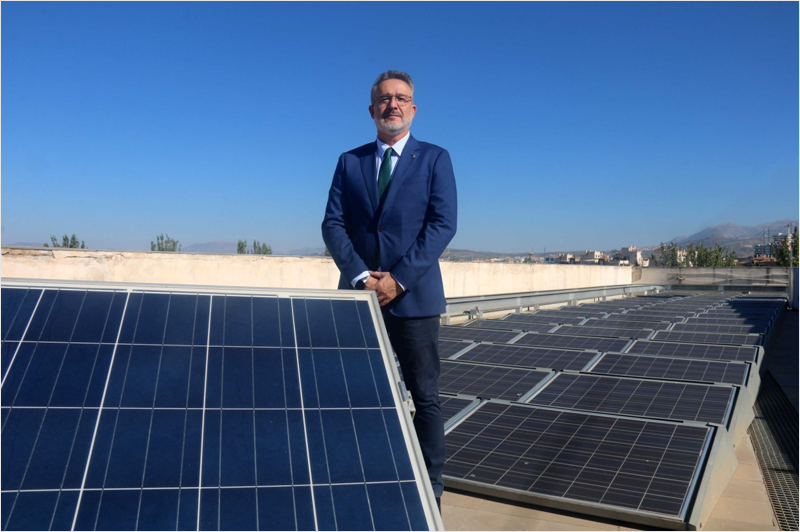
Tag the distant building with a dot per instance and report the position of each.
(631, 254)
(593, 257)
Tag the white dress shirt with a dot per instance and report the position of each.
(397, 151)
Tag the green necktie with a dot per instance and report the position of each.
(385, 173)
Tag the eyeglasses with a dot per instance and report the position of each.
(386, 99)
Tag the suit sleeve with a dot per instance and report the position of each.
(438, 229)
(334, 228)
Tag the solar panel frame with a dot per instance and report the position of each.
(429, 515)
(608, 332)
(449, 332)
(695, 351)
(663, 368)
(449, 349)
(609, 322)
(581, 343)
(489, 382)
(465, 433)
(708, 338)
(725, 329)
(528, 357)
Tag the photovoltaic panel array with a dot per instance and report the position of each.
(476, 335)
(510, 326)
(153, 410)
(634, 397)
(672, 368)
(608, 322)
(488, 382)
(731, 321)
(646, 467)
(448, 348)
(610, 332)
(531, 357)
(724, 329)
(572, 342)
(707, 338)
(698, 351)
(532, 318)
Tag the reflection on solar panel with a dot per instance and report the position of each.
(488, 382)
(531, 318)
(573, 342)
(120, 406)
(510, 326)
(448, 348)
(452, 406)
(666, 400)
(608, 322)
(708, 338)
(609, 332)
(671, 368)
(644, 466)
(476, 335)
(532, 357)
(728, 329)
(698, 351)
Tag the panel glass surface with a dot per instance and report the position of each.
(487, 382)
(698, 351)
(672, 368)
(707, 338)
(610, 332)
(655, 399)
(626, 464)
(532, 357)
(510, 326)
(725, 329)
(608, 322)
(531, 318)
(451, 406)
(573, 342)
(217, 412)
(476, 335)
(448, 348)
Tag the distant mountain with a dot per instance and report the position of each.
(732, 231)
(305, 252)
(211, 247)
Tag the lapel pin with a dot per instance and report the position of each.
(413, 155)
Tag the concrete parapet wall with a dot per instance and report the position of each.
(766, 276)
(460, 278)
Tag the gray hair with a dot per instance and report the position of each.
(390, 74)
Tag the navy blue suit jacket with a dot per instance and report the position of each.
(407, 231)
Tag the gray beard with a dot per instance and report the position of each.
(392, 129)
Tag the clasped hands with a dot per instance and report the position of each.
(384, 284)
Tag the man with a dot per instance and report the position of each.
(391, 212)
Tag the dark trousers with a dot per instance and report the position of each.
(416, 342)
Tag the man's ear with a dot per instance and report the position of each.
(371, 112)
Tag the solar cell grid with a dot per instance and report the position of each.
(711, 328)
(510, 326)
(654, 399)
(476, 335)
(488, 382)
(584, 312)
(611, 332)
(671, 368)
(533, 357)
(448, 348)
(708, 338)
(198, 418)
(609, 322)
(696, 351)
(532, 318)
(451, 406)
(644, 466)
(731, 321)
(573, 342)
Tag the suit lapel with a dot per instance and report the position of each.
(370, 177)
(404, 165)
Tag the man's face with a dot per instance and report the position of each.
(394, 109)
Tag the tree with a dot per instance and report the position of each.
(164, 244)
(327, 252)
(259, 248)
(781, 252)
(66, 242)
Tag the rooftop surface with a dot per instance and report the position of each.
(743, 505)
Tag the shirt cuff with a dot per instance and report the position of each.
(403, 288)
(359, 277)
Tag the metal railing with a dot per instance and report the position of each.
(475, 306)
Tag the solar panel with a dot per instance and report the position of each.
(173, 410)
(583, 312)
(452, 406)
(731, 321)
(610, 332)
(532, 357)
(531, 318)
(671, 368)
(635, 397)
(608, 322)
(728, 329)
(572, 342)
(510, 326)
(488, 382)
(708, 338)
(448, 348)
(476, 335)
(628, 465)
(697, 351)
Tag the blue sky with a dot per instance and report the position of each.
(570, 125)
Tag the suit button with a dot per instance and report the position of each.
(380, 229)
(372, 256)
